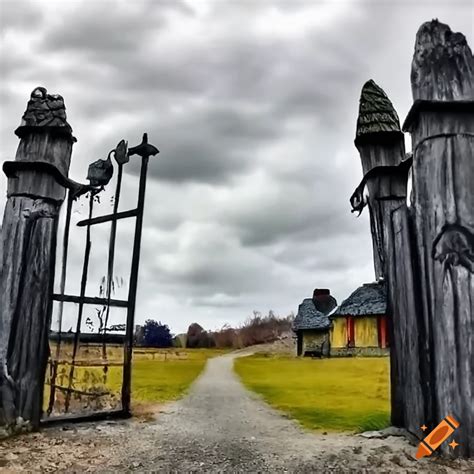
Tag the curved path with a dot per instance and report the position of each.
(218, 427)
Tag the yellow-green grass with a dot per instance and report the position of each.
(158, 375)
(339, 394)
(163, 380)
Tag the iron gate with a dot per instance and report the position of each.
(89, 372)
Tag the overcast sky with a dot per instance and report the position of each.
(253, 106)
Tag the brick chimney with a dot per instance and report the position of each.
(323, 300)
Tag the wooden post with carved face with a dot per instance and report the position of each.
(29, 230)
(382, 151)
(441, 123)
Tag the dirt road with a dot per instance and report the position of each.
(218, 427)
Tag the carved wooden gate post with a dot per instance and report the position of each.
(441, 123)
(28, 256)
(380, 144)
(382, 151)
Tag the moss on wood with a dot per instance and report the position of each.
(376, 112)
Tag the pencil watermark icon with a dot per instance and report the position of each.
(437, 436)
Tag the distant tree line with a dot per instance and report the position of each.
(257, 329)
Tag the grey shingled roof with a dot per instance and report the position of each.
(309, 317)
(369, 299)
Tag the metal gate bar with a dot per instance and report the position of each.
(144, 150)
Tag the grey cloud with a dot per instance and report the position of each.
(216, 300)
(249, 67)
(304, 204)
(213, 145)
(289, 220)
(207, 259)
(213, 266)
(329, 254)
(19, 16)
(98, 28)
(206, 145)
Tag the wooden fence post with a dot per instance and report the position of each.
(382, 151)
(441, 123)
(28, 256)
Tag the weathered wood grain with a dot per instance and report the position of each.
(28, 259)
(382, 151)
(443, 201)
(36, 220)
(442, 66)
(408, 356)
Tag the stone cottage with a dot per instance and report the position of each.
(312, 324)
(359, 324)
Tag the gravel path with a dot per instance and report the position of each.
(218, 427)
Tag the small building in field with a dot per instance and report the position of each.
(312, 324)
(359, 324)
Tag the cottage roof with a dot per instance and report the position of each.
(369, 299)
(309, 317)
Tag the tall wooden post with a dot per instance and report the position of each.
(382, 151)
(441, 123)
(380, 144)
(28, 256)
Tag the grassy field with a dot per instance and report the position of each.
(158, 375)
(160, 379)
(340, 394)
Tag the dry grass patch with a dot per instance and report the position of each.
(158, 376)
